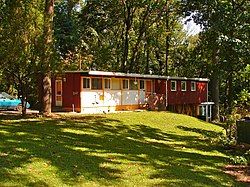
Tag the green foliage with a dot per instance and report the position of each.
(231, 128)
(223, 44)
(247, 156)
(115, 35)
(243, 103)
(68, 35)
(131, 36)
(122, 149)
(20, 44)
(241, 160)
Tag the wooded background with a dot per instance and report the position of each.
(42, 37)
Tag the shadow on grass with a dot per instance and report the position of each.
(87, 146)
(205, 133)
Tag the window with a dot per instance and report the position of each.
(107, 83)
(142, 85)
(133, 85)
(183, 86)
(173, 86)
(86, 83)
(59, 87)
(193, 86)
(125, 84)
(116, 84)
(96, 83)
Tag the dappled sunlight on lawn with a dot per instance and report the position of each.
(108, 150)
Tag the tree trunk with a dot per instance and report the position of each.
(230, 94)
(167, 39)
(215, 87)
(167, 54)
(127, 23)
(45, 75)
(22, 93)
(147, 57)
(142, 32)
(45, 93)
(160, 62)
(47, 98)
(215, 93)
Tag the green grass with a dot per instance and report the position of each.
(124, 149)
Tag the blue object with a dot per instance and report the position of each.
(9, 102)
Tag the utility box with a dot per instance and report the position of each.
(243, 130)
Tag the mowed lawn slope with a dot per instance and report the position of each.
(123, 149)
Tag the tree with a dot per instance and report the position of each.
(226, 37)
(128, 35)
(19, 44)
(44, 69)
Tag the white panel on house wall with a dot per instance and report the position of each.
(112, 98)
(98, 110)
(93, 102)
(142, 96)
(91, 98)
(130, 97)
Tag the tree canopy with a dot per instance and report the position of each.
(42, 36)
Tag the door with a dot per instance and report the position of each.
(58, 95)
(149, 89)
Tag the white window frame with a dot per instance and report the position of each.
(185, 83)
(127, 84)
(105, 84)
(193, 89)
(89, 83)
(175, 89)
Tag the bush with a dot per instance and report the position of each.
(241, 160)
(243, 103)
(231, 128)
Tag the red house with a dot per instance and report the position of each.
(98, 91)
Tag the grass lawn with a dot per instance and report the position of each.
(123, 149)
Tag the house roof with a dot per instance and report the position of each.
(119, 74)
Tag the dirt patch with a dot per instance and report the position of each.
(241, 173)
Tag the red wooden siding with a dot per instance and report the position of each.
(149, 86)
(160, 86)
(179, 97)
(71, 90)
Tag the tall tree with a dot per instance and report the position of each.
(46, 59)
(19, 40)
(129, 35)
(226, 36)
